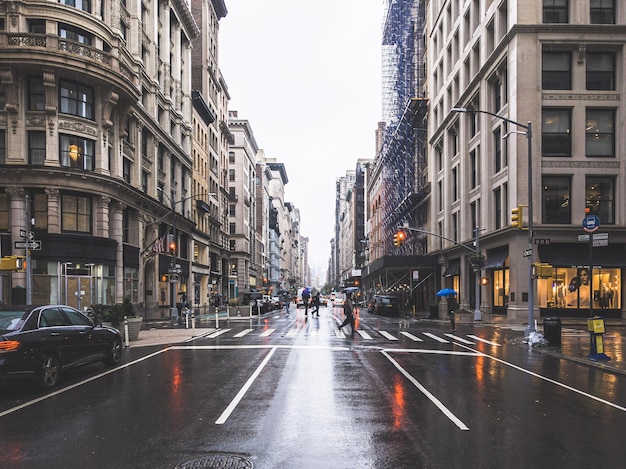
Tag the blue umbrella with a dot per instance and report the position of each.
(350, 290)
(446, 292)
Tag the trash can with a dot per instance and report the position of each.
(552, 330)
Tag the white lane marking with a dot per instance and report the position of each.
(550, 380)
(387, 335)
(460, 339)
(266, 333)
(411, 336)
(80, 383)
(293, 332)
(243, 333)
(217, 333)
(427, 393)
(365, 335)
(242, 391)
(484, 340)
(433, 352)
(437, 338)
(339, 334)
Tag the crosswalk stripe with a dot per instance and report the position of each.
(484, 340)
(387, 335)
(339, 334)
(460, 339)
(218, 333)
(411, 336)
(365, 335)
(437, 338)
(243, 333)
(293, 332)
(267, 333)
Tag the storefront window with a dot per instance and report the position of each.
(501, 287)
(571, 288)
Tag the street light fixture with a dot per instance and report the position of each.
(529, 137)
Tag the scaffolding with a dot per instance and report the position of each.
(404, 271)
(403, 153)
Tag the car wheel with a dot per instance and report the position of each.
(49, 371)
(114, 355)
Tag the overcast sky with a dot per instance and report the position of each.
(306, 75)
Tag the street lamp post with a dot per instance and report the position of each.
(531, 259)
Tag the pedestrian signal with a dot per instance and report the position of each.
(171, 244)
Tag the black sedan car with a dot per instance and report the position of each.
(42, 341)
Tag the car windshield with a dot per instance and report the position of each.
(12, 320)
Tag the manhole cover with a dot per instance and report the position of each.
(216, 461)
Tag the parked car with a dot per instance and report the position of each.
(43, 341)
(277, 302)
(385, 305)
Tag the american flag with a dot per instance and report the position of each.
(159, 244)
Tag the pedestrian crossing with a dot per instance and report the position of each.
(366, 335)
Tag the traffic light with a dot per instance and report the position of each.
(12, 263)
(399, 238)
(516, 217)
(171, 244)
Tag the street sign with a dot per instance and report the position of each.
(528, 252)
(591, 223)
(542, 241)
(600, 242)
(596, 236)
(31, 235)
(34, 245)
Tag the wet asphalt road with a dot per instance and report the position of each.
(286, 392)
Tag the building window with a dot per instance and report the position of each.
(131, 284)
(84, 5)
(497, 149)
(3, 147)
(231, 244)
(600, 132)
(39, 210)
(127, 170)
(36, 147)
(555, 200)
(497, 209)
(599, 197)
(556, 138)
(36, 94)
(144, 181)
(231, 175)
(473, 168)
(76, 152)
(72, 33)
(600, 70)
(231, 156)
(555, 11)
(76, 99)
(232, 228)
(4, 211)
(556, 71)
(3, 96)
(455, 183)
(125, 226)
(455, 226)
(76, 213)
(602, 11)
(232, 210)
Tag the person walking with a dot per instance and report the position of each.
(306, 295)
(316, 302)
(452, 307)
(287, 300)
(348, 310)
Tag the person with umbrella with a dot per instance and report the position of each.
(348, 310)
(452, 307)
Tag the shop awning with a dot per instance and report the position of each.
(577, 255)
(453, 269)
(496, 258)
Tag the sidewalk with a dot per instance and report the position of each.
(575, 339)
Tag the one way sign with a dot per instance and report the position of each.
(34, 245)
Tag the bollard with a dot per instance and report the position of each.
(193, 325)
(217, 324)
(127, 339)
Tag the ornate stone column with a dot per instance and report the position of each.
(115, 233)
(54, 211)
